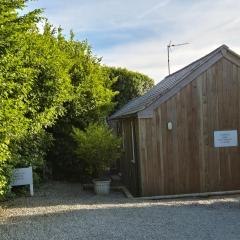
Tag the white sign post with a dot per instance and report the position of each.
(226, 138)
(23, 176)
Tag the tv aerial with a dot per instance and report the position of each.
(169, 46)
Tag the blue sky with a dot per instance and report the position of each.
(134, 33)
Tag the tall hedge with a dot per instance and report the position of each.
(91, 102)
(16, 79)
(43, 77)
(48, 84)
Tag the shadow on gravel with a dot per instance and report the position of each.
(65, 211)
(129, 220)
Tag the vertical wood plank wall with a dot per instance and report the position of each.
(184, 160)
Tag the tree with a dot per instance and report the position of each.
(34, 85)
(91, 102)
(15, 80)
(49, 84)
(129, 84)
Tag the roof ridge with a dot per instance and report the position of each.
(199, 59)
(185, 75)
(142, 102)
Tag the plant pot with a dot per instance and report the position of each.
(101, 187)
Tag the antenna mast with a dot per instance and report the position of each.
(169, 46)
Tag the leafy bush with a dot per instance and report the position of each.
(97, 148)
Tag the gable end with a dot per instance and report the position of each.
(227, 54)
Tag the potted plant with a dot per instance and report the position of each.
(97, 147)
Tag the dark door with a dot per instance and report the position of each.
(134, 186)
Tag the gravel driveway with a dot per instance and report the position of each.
(64, 211)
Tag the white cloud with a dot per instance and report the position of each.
(97, 15)
(154, 8)
(205, 24)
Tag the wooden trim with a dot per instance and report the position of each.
(232, 58)
(130, 115)
(147, 114)
(140, 165)
(123, 137)
(191, 195)
(133, 143)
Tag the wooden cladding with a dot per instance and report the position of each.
(184, 159)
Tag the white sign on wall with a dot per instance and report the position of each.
(225, 138)
(23, 176)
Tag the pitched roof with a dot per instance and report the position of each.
(164, 86)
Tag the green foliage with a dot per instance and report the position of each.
(47, 85)
(34, 85)
(97, 147)
(52, 85)
(15, 81)
(129, 84)
(92, 94)
(13, 26)
(31, 150)
(91, 102)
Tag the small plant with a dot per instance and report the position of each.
(97, 147)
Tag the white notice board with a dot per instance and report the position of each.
(226, 138)
(23, 176)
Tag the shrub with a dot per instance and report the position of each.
(97, 148)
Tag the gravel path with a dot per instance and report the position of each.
(63, 211)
